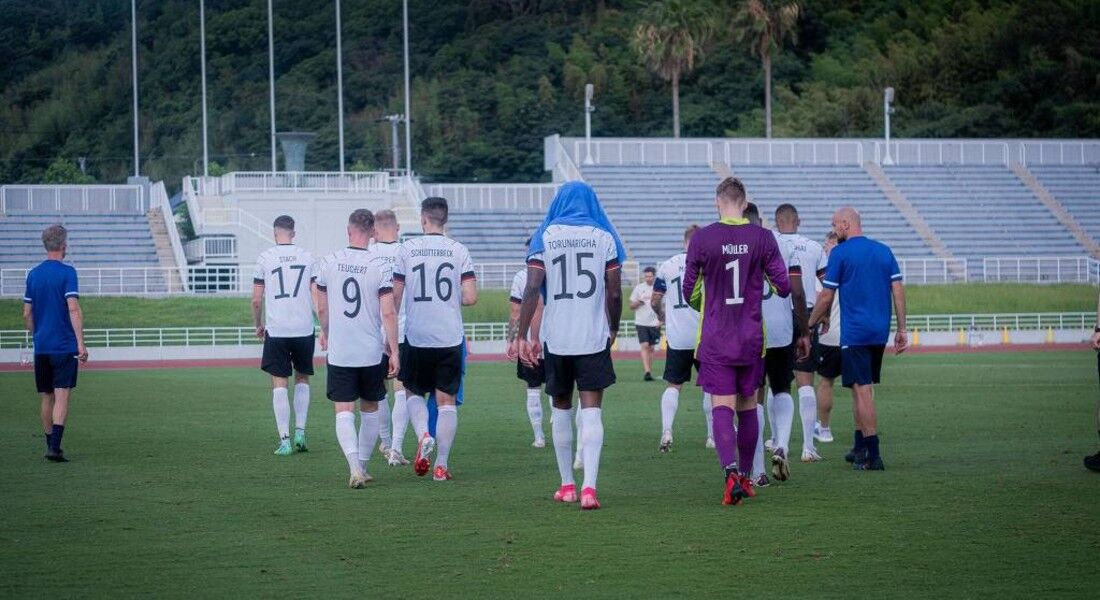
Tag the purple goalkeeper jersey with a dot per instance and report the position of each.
(732, 257)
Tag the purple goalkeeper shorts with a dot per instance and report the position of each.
(729, 380)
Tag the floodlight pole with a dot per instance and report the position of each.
(408, 106)
(271, 78)
(339, 87)
(202, 53)
(589, 90)
(887, 109)
(133, 72)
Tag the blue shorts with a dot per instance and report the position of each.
(55, 371)
(861, 365)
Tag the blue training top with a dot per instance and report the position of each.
(49, 286)
(863, 270)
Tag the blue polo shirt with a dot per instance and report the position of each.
(49, 286)
(863, 270)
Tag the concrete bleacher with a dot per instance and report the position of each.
(95, 240)
(981, 210)
(494, 236)
(1077, 188)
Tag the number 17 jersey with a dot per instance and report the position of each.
(575, 258)
(285, 272)
(433, 268)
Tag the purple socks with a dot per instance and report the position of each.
(725, 436)
(748, 429)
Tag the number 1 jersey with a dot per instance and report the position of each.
(575, 258)
(285, 271)
(433, 268)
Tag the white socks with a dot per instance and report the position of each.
(783, 407)
(534, 411)
(301, 405)
(384, 421)
(400, 418)
(707, 407)
(770, 411)
(282, 411)
(445, 427)
(592, 435)
(670, 400)
(348, 438)
(580, 428)
(369, 424)
(807, 409)
(758, 458)
(561, 427)
(418, 414)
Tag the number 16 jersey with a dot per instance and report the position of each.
(433, 268)
(575, 258)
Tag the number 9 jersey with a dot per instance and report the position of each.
(353, 279)
(433, 268)
(575, 258)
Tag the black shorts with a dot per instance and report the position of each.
(777, 369)
(348, 384)
(828, 361)
(648, 335)
(861, 365)
(55, 372)
(590, 372)
(808, 365)
(281, 354)
(534, 376)
(424, 370)
(678, 364)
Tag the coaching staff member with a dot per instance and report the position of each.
(867, 276)
(51, 312)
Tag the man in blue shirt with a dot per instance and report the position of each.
(51, 311)
(867, 275)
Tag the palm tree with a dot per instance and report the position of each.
(669, 38)
(764, 25)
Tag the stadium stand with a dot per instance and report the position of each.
(1077, 188)
(95, 240)
(494, 235)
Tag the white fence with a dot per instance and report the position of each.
(297, 181)
(138, 281)
(997, 322)
(638, 151)
(93, 199)
(211, 247)
(1027, 269)
(945, 152)
(793, 152)
(922, 271)
(1058, 152)
(494, 196)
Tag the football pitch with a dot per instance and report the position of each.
(173, 492)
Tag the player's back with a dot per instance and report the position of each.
(575, 259)
(433, 268)
(733, 261)
(388, 252)
(285, 271)
(681, 320)
(778, 318)
(810, 255)
(353, 279)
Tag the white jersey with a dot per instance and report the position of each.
(681, 320)
(813, 260)
(778, 312)
(644, 315)
(575, 258)
(832, 337)
(433, 268)
(353, 280)
(286, 271)
(388, 251)
(519, 285)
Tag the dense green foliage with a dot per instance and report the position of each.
(172, 492)
(492, 77)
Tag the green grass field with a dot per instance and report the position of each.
(493, 306)
(173, 492)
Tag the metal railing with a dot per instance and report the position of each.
(792, 152)
(139, 281)
(638, 151)
(297, 181)
(92, 199)
(557, 160)
(212, 247)
(495, 196)
(924, 271)
(945, 152)
(238, 217)
(487, 332)
(1058, 152)
(159, 199)
(1028, 269)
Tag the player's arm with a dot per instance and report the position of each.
(691, 277)
(775, 268)
(322, 314)
(28, 316)
(901, 338)
(798, 299)
(613, 279)
(822, 307)
(469, 291)
(657, 300)
(536, 321)
(1095, 330)
(389, 324)
(636, 299)
(257, 307)
(527, 310)
(76, 316)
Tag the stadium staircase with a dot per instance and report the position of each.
(163, 244)
(1072, 193)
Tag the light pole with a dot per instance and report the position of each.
(133, 72)
(589, 91)
(887, 109)
(271, 78)
(202, 53)
(339, 87)
(395, 145)
(408, 106)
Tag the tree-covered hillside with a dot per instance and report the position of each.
(492, 77)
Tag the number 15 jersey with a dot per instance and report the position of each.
(575, 258)
(433, 268)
